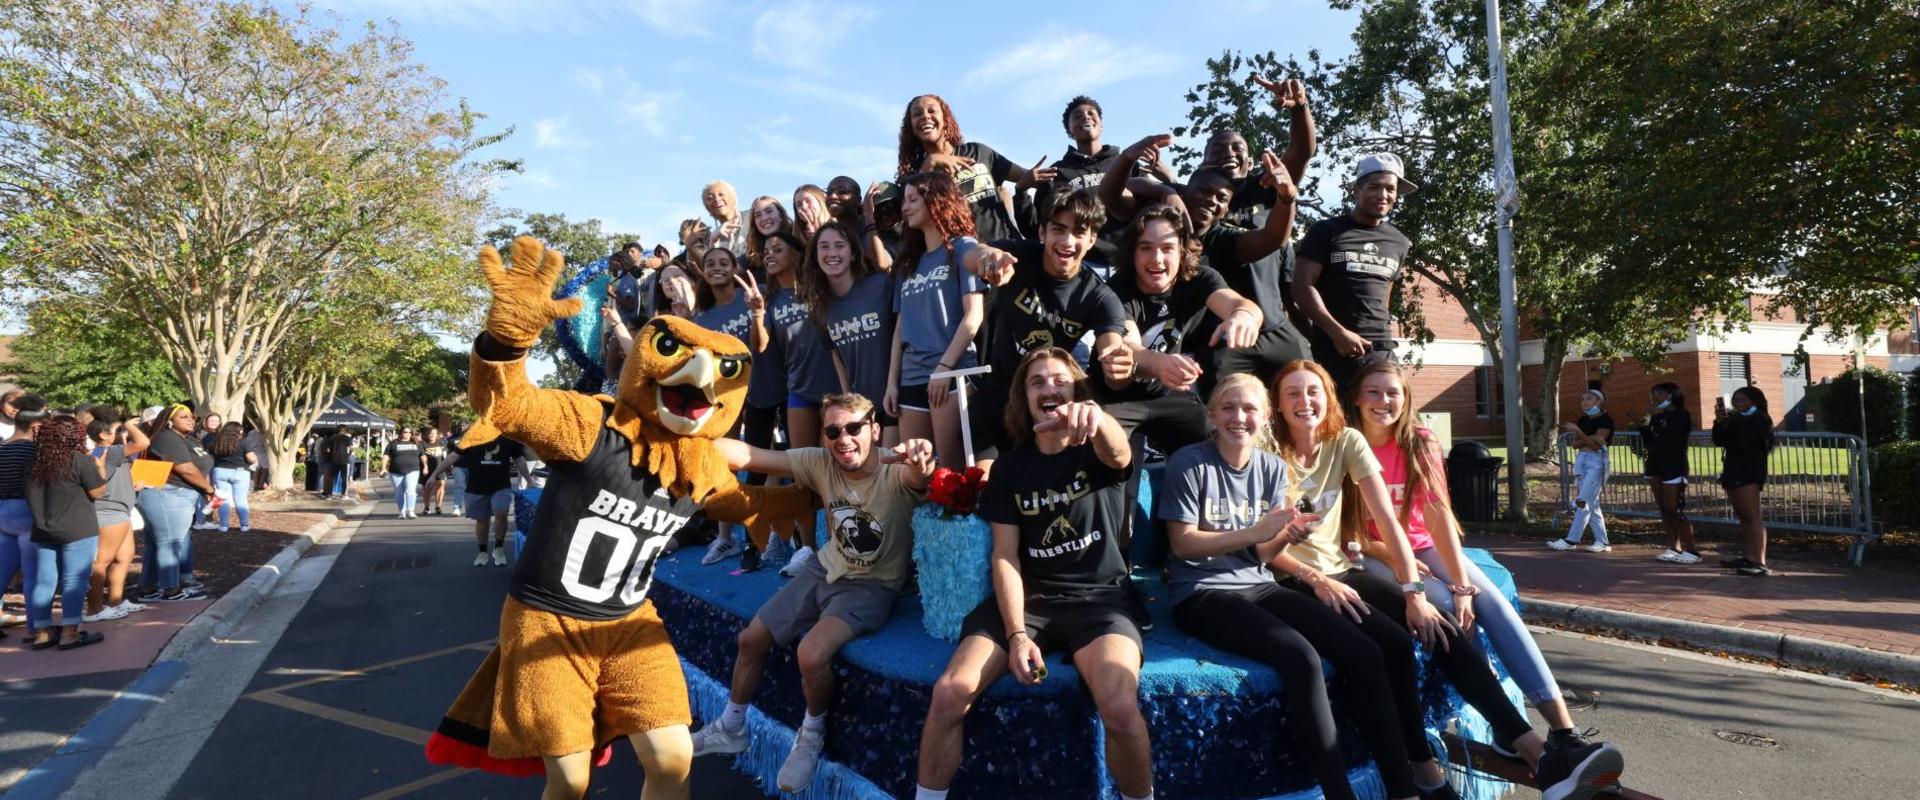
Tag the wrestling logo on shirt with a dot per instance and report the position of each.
(1033, 504)
(856, 533)
(1062, 538)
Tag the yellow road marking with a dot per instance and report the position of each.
(349, 718)
(409, 788)
(362, 671)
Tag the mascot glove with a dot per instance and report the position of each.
(523, 303)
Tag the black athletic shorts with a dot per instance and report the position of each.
(1057, 624)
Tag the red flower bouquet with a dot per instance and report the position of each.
(957, 492)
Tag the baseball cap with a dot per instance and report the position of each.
(1384, 162)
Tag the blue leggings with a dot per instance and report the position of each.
(65, 570)
(1495, 617)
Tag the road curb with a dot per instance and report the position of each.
(1797, 651)
(226, 614)
(56, 773)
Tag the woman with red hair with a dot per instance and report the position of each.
(939, 302)
(61, 489)
(930, 141)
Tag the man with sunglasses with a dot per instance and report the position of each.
(847, 588)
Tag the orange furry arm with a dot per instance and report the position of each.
(555, 425)
(761, 508)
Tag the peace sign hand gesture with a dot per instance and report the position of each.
(750, 289)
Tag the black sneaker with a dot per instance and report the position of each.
(749, 559)
(1734, 563)
(1753, 570)
(155, 596)
(1572, 768)
(183, 594)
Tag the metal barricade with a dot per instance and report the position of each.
(1815, 482)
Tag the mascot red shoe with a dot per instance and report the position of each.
(583, 658)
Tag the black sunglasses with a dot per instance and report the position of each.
(852, 429)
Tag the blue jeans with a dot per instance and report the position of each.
(66, 567)
(406, 489)
(1495, 617)
(18, 553)
(169, 514)
(236, 481)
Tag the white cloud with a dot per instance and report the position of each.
(799, 36)
(786, 155)
(886, 113)
(649, 109)
(552, 134)
(1034, 71)
(538, 178)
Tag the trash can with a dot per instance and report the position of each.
(1473, 481)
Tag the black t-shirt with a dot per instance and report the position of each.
(980, 185)
(1033, 310)
(16, 462)
(1591, 425)
(1358, 267)
(490, 466)
(1176, 321)
(337, 449)
(62, 510)
(600, 526)
(406, 456)
(1666, 435)
(1264, 281)
(1069, 507)
(235, 460)
(171, 446)
(1073, 172)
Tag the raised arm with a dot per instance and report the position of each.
(1290, 98)
(557, 425)
(1263, 241)
(1115, 192)
(743, 456)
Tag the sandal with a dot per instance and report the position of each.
(46, 645)
(82, 639)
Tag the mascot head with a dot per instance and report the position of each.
(685, 379)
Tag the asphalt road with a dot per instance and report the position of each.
(330, 687)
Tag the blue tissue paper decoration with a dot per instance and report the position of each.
(950, 551)
(580, 334)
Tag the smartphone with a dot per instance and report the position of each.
(1305, 506)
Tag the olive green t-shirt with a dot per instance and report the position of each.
(869, 520)
(1346, 458)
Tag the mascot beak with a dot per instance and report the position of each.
(686, 397)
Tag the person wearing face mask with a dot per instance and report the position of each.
(1665, 431)
(1588, 436)
(844, 591)
(1745, 437)
(1347, 268)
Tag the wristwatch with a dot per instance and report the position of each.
(1416, 587)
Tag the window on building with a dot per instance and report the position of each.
(1735, 371)
(1488, 395)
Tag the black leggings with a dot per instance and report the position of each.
(1292, 633)
(757, 426)
(1461, 658)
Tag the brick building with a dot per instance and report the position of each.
(1457, 375)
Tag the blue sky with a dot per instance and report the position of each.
(624, 109)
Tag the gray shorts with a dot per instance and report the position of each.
(481, 507)
(791, 612)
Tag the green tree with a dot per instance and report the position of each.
(582, 243)
(219, 175)
(67, 357)
(416, 375)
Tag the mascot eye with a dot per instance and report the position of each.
(665, 344)
(730, 368)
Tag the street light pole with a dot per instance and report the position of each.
(1506, 203)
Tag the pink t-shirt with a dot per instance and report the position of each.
(1393, 470)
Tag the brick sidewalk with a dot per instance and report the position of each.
(1874, 608)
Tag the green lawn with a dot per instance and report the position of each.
(1788, 459)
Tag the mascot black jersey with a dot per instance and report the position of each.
(600, 526)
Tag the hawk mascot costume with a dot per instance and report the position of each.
(583, 658)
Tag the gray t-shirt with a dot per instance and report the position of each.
(118, 501)
(728, 318)
(1202, 489)
(809, 363)
(928, 305)
(861, 328)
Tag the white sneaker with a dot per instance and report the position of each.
(1668, 554)
(246, 528)
(107, 613)
(1561, 544)
(719, 550)
(716, 739)
(480, 559)
(1687, 558)
(797, 562)
(130, 607)
(797, 773)
(206, 526)
(500, 556)
(1598, 547)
